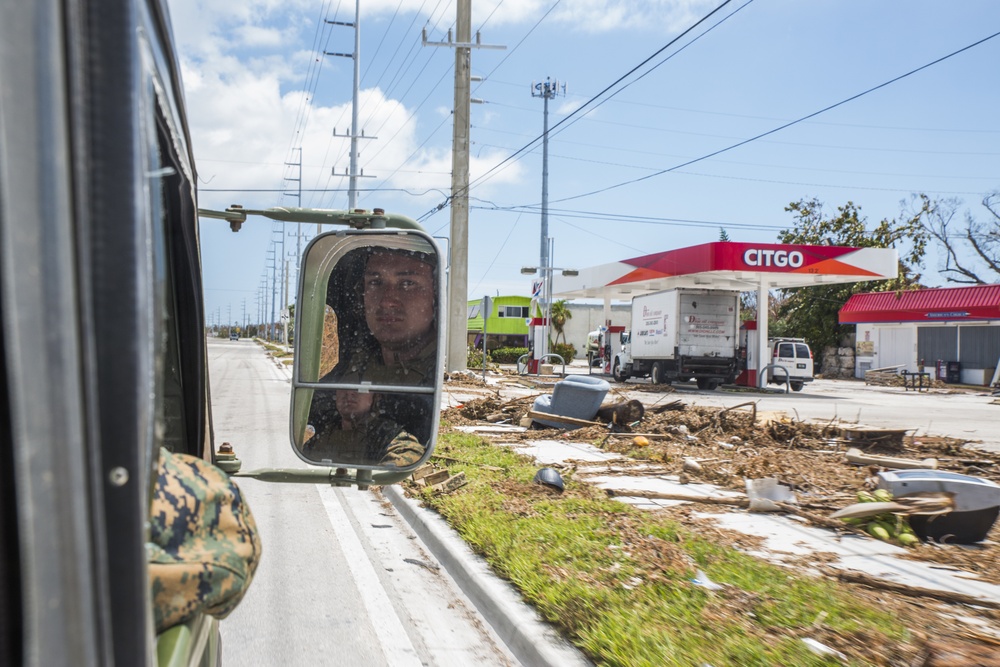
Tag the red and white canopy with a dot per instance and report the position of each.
(730, 266)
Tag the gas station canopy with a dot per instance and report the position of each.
(726, 265)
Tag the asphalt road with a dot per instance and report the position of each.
(343, 580)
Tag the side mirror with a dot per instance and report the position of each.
(366, 383)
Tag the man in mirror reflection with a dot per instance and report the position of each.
(387, 334)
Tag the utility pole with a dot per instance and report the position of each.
(298, 234)
(274, 287)
(458, 279)
(546, 91)
(352, 173)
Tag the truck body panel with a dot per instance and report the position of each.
(681, 334)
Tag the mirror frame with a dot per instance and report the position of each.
(313, 282)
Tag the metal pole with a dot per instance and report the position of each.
(274, 290)
(544, 256)
(458, 285)
(352, 193)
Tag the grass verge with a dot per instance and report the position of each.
(618, 581)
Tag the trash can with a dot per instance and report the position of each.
(954, 375)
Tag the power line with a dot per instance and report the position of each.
(785, 125)
(586, 104)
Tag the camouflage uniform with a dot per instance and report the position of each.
(377, 439)
(396, 431)
(203, 546)
(370, 366)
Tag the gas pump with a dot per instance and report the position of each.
(749, 337)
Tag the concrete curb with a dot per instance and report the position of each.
(532, 641)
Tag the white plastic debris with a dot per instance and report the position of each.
(701, 579)
(765, 493)
(822, 649)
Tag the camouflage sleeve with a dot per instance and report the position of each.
(404, 450)
(203, 546)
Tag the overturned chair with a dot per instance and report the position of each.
(578, 396)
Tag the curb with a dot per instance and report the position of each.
(533, 642)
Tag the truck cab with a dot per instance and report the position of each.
(795, 357)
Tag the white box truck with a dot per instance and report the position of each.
(681, 334)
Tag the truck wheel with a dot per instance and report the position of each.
(656, 373)
(711, 384)
(617, 372)
(797, 386)
(703, 383)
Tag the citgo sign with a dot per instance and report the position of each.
(771, 257)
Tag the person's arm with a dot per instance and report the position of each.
(404, 450)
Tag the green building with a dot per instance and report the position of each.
(507, 325)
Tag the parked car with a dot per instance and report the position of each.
(795, 357)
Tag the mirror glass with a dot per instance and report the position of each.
(367, 374)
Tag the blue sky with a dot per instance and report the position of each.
(257, 87)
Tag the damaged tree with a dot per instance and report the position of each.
(971, 247)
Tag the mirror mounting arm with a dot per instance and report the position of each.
(363, 478)
(358, 218)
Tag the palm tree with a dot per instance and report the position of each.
(559, 314)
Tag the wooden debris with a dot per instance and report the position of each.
(858, 457)
(868, 435)
(855, 577)
(436, 477)
(960, 654)
(673, 405)
(422, 472)
(450, 484)
(927, 504)
(559, 419)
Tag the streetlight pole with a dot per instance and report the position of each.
(546, 272)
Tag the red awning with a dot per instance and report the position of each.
(942, 304)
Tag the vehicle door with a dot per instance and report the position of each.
(803, 361)
(784, 356)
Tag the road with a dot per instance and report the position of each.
(343, 580)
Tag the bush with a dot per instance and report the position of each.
(565, 350)
(475, 359)
(507, 355)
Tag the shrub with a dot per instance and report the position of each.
(475, 359)
(507, 355)
(565, 350)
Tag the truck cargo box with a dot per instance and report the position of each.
(691, 323)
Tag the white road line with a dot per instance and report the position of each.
(388, 628)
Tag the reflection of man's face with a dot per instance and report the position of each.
(399, 301)
(352, 404)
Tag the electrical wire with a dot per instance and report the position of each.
(784, 125)
(585, 105)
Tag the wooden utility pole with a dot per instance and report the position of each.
(458, 278)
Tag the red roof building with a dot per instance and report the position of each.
(952, 331)
(941, 304)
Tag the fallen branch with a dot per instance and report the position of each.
(819, 519)
(559, 419)
(857, 457)
(753, 414)
(733, 502)
(659, 495)
(912, 591)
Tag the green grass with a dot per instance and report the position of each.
(617, 580)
